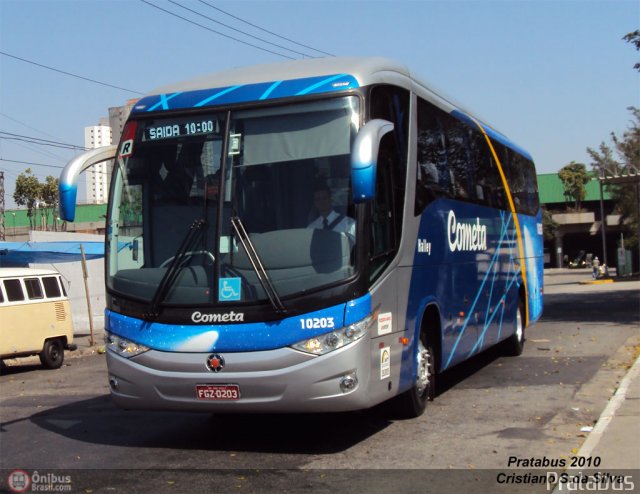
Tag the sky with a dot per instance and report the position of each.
(554, 76)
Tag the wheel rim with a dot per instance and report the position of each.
(424, 369)
(54, 353)
(519, 328)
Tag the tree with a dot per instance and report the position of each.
(37, 196)
(27, 193)
(634, 38)
(50, 200)
(625, 196)
(574, 177)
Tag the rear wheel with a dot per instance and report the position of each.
(514, 345)
(413, 402)
(52, 355)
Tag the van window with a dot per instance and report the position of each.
(34, 288)
(51, 287)
(14, 290)
(64, 290)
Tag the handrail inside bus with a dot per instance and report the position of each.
(68, 186)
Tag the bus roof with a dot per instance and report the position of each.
(300, 77)
(364, 69)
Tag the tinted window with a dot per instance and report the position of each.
(433, 174)
(521, 175)
(51, 287)
(392, 104)
(455, 160)
(14, 290)
(34, 288)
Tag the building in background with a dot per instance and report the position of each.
(579, 231)
(118, 117)
(98, 176)
(106, 133)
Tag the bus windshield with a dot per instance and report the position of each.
(283, 173)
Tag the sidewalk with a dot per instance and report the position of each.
(83, 340)
(616, 436)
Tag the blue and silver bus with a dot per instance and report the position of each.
(313, 236)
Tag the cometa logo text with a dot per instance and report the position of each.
(216, 318)
(466, 236)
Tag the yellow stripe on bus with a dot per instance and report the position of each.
(503, 177)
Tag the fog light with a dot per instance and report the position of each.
(349, 382)
(113, 382)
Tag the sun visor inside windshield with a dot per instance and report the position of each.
(295, 137)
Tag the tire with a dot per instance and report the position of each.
(514, 345)
(413, 402)
(52, 355)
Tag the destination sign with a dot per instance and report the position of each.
(184, 127)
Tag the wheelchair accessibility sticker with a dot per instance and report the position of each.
(229, 289)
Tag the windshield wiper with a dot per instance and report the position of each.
(171, 274)
(258, 267)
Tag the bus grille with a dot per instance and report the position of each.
(61, 314)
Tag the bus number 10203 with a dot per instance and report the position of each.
(317, 323)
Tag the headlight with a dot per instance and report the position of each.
(122, 346)
(328, 342)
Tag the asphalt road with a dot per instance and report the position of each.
(487, 411)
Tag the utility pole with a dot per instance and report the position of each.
(2, 234)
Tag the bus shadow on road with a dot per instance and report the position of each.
(99, 421)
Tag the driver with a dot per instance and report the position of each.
(328, 218)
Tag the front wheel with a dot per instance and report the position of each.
(413, 402)
(52, 355)
(514, 345)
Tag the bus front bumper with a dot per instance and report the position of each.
(282, 380)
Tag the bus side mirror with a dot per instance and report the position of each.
(68, 187)
(364, 159)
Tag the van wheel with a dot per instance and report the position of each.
(52, 355)
(413, 402)
(514, 345)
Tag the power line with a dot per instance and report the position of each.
(239, 30)
(266, 30)
(31, 163)
(27, 125)
(40, 142)
(217, 32)
(68, 73)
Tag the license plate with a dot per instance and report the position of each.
(218, 392)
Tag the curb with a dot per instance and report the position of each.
(607, 415)
(610, 410)
(596, 282)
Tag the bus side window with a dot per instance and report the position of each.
(34, 288)
(51, 287)
(1, 296)
(14, 290)
(383, 243)
(389, 103)
(382, 207)
(433, 178)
